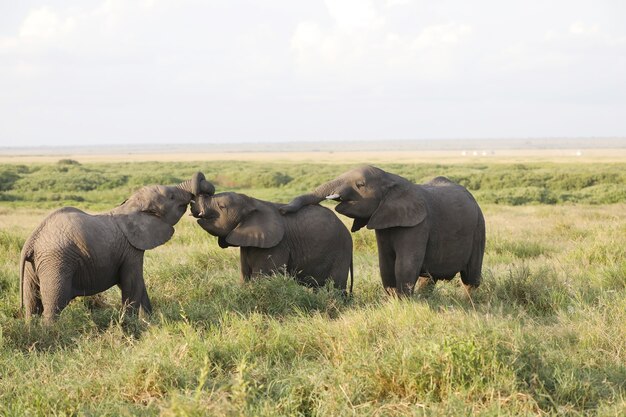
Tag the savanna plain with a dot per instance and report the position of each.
(544, 334)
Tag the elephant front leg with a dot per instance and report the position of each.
(246, 270)
(406, 269)
(408, 246)
(386, 263)
(134, 293)
(257, 262)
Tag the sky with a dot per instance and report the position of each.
(86, 72)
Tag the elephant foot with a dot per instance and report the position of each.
(425, 286)
(49, 320)
(95, 302)
(470, 290)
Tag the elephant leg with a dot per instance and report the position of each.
(386, 263)
(133, 287)
(425, 285)
(339, 274)
(411, 244)
(246, 270)
(260, 261)
(56, 292)
(406, 268)
(31, 295)
(387, 271)
(471, 274)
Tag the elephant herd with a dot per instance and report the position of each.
(423, 232)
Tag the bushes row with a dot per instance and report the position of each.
(511, 184)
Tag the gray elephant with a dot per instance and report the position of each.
(313, 244)
(72, 253)
(433, 230)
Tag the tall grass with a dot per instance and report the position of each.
(544, 334)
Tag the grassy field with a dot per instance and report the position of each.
(545, 333)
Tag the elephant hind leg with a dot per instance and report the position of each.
(31, 293)
(425, 285)
(339, 274)
(134, 292)
(56, 292)
(471, 274)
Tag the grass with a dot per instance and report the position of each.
(544, 334)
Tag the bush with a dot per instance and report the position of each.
(274, 179)
(509, 184)
(8, 177)
(68, 162)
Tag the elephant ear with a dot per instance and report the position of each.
(401, 207)
(144, 230)
(263, 227)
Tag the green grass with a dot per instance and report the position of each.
(544, 334)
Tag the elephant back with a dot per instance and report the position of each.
(316, 225)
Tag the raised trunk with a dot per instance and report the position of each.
(185, 185)
(319, 194)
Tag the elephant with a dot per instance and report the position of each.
(432, 230)
(72, 253)
(313, 244)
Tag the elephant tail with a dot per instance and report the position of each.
(26, 256)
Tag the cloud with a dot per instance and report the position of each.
(393, 3)
(584, 34)
(44, 24)
(362, 45)
(350, 15)
(179, 68)
(442, 35)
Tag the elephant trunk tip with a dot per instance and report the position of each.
(199, 185)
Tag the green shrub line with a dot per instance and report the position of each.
(509, 184)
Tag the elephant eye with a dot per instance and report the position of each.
(360, 184)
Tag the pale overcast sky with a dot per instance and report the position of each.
(173, 71)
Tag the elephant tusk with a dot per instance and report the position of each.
(332, 196)
(192, 201)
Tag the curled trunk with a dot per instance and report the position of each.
(197, 185)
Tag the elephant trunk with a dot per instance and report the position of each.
(328, 189)
(197, 185)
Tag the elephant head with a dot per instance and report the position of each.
(371, 196)
(147, 217)
(239, 220)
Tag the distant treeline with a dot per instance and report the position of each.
(68, 181)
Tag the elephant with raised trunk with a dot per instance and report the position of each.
(72, 253)
(313, 244)
(432, 230)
